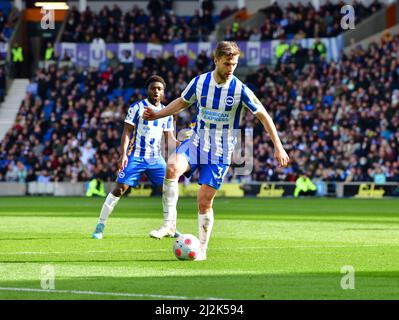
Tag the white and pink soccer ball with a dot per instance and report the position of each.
(186, 247)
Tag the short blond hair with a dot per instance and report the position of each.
(227, 48)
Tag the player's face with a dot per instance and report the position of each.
(225, 66)
(155, 92)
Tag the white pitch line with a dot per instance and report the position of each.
(118, 294)
(83, 252)
(215, 249)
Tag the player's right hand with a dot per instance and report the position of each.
(149, 114)
(282, 157)
(122, 162)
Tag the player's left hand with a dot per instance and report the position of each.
(282, 157)
(149, 114)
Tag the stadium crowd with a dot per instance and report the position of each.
(159, 25)
(299, 21)
(68, 127)
(338, 121)
(9, 16)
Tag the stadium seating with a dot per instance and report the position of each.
(156, 26)
(300, 21)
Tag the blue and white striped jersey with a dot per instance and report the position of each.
(145, 140)
(219, 112)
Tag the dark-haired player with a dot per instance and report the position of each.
(140, 149)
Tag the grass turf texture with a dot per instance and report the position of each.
(259, 249)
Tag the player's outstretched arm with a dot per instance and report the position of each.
(172, 108)
(127, 130)
(268, 124)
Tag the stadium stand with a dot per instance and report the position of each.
(68, 113)
(156, 26)
(338, 120)
(299, 21)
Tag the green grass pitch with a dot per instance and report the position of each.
(259, 249)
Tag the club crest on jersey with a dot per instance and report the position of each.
(121, 175)
(229, 101)
(145, 129)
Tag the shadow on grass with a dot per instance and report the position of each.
(300, 286)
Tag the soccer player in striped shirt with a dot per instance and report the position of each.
(140, 149)
(220, 99)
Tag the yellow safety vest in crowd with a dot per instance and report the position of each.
(302, 184)
(320, 48)
(17, 55)
(280, 49)
(235, 27)
(294, 49)
(48, 54)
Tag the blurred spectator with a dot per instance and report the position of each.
(208, 6)
(44, 177)
(304, 186)
(255, 35)
(319, 48)
(2, 84)
(12, 173)
(202, 62)
(95, 187)
(17, 58)
(49, 52)
(22, 172)
(379, 176)
(168, 6)
(155, 7)
(87, 153)
(32, 87)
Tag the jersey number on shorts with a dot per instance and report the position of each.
(220, 173)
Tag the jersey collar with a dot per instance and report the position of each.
(152, 106)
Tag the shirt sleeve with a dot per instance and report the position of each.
(169, 124)
(250, 101)
(189, 94)
(132, 116)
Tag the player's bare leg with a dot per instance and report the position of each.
(206, 194)
(177, 165)
(107, 208)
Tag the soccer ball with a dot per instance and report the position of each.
(186, 247)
